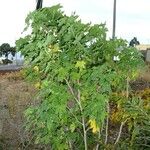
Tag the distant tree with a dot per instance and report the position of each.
(6, 49)
(13, 51)
(134, 42)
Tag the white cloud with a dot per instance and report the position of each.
(133, 19)
(12, 14)
(133, 16)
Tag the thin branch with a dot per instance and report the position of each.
(74, 116)
(84, 131)
(70, 145)
(120, 131)
(127, 88)
(83, 119)
(72, 92)
(88, 129)
(99, 136)
(107, 123)
(78, 100)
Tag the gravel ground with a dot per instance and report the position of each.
(10, 67)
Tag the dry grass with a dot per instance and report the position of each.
(145, 75)
(15, 96)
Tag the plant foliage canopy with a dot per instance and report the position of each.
(71, 63)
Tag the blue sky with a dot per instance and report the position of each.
(133, 16)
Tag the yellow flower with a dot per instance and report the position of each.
(50, 46)
(80, 64)
(36, 68)
(54, 48)
(93, 126)
(37, 85)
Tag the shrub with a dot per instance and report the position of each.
(72, 64)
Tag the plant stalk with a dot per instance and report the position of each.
(127, 88)
(78, 100)
(99, 135)
(84, 133)
(83, 119)
(107, 123)
(120, 131)
(70, 145)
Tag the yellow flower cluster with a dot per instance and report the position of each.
(80, 64)
(36, 68)
(37, 85)
(54, 48)
(93, 126)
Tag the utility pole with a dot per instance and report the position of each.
(114, 20)
(39, 4)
